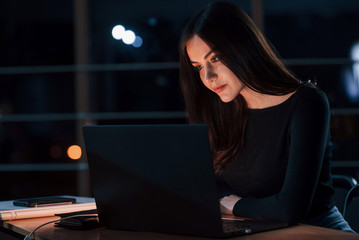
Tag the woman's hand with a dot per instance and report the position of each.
(227, 204)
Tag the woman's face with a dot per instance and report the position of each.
(213, 73)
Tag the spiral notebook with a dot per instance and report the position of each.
(10, 212)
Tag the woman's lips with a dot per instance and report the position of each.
(219, 88)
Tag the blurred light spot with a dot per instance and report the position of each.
(152, 21)
(161, 81)
(128, 37)
(118, 31)
(355, 57)
(74, 152)
(351, 77)
(354, 53)
(351, 85)
(138, 42)
(55, 152)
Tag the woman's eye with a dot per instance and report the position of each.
(215, 59)
(198, 67)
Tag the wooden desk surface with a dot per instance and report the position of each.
(49, 232)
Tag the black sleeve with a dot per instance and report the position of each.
(309, 133)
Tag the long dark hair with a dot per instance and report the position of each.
(245, 51)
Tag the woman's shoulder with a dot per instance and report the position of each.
(311, 97)
(310, 92)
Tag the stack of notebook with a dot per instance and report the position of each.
(10, 212)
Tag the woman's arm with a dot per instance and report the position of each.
(309, 133)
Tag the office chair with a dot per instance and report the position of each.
(342, 184)
(351, 208)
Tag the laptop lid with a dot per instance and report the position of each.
(156, 178)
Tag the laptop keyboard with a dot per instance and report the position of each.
(230, 226)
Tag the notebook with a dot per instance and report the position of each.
(10, 212)
(158, 178)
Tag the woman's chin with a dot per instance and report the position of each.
(226, 99)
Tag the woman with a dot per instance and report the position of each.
(269, 132)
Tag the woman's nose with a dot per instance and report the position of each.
(209, 74)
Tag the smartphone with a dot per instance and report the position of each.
(44, 201)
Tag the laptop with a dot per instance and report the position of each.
(158, 178)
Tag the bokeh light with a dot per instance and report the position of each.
(117, 32)
(128, 37)
(138, 42)
(55, 152)
(74, 152)
(351, 76)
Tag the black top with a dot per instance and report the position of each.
(283, 171)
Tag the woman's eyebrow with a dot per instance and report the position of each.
(206, 56)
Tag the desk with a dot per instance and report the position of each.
(49, 232)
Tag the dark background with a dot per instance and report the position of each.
(38, 120)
